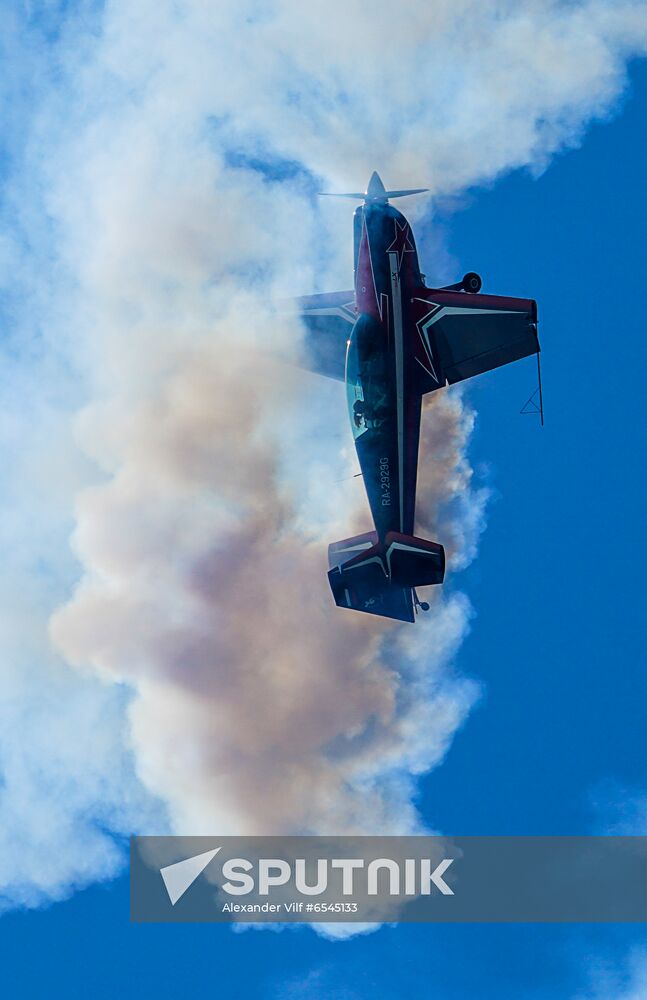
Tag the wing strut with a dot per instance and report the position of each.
(530, 406)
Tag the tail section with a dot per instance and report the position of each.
(379, 576)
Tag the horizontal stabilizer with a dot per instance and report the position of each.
(378, 577)
(414, 562)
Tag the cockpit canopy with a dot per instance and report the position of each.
(367, 385)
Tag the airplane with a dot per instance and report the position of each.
(392, 340)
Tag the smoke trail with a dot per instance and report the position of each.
(258, 707)
(174, 160)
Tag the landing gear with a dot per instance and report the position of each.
(418, 604)
(472, 282)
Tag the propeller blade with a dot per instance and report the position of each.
(360, 196)
(402, 194)
(335, 194)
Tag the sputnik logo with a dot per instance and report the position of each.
(181, 876)
(276, 872)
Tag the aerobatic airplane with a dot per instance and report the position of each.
(392, 340)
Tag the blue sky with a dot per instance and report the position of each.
(556, 744)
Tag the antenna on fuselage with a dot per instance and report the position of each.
(375, 192)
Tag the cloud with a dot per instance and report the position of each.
(164, 205)
(618, 982)
(67, 783)
(618, 809)
(317, 982)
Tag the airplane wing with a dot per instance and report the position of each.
(328, 320)
(461, 334)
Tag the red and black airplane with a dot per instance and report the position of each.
(392, 340)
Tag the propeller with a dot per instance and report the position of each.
(375, 192)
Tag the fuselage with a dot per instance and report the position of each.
(384, 409)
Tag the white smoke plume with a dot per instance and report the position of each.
(165, 203)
